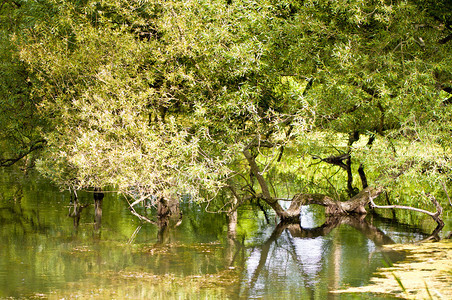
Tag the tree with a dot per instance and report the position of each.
(158, 99)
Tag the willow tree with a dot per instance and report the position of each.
(201, 97)
(105, 75)
(380, 70)
(153, 99)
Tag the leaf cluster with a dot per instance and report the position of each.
(157, 98)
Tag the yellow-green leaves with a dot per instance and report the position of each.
(162, 97)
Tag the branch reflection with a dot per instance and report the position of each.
(314, 252)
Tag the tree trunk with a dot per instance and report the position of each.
(168, 211)
(266, 196)
(168, 215)
(232, 238)
(98, 197)
(356, 204)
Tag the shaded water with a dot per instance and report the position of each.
(45, 254)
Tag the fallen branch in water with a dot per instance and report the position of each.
(141, 217)
(356, 204)
(435, 215)
(134, 212)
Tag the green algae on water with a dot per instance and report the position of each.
(426, 273)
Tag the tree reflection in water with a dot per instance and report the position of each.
(295, 259)
(306, 256)
(236, 256)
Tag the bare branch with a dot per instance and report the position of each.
(435, 215)
(141, 217)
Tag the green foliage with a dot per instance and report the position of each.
(19, 121)
(161, 98)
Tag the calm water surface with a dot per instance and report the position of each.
(45, 254)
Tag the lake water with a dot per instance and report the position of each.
(45, 254)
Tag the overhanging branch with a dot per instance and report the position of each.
(435, 215)
(7, 162)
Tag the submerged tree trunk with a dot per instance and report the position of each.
(168, 215)
(168, 211)
(75, 211)
(297, 231)
(356, 204)
(98, 197)
(232, 238)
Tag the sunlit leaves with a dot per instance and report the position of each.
(162, 97)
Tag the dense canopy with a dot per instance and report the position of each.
(217, 98)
